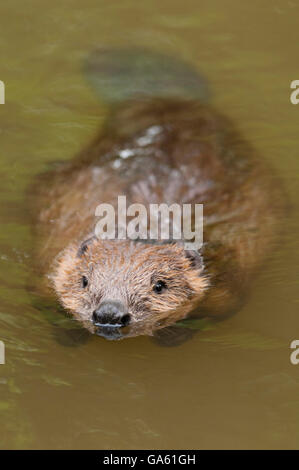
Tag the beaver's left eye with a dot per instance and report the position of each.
(84, 281)
(159, 287)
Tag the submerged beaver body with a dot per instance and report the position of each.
(158, 151)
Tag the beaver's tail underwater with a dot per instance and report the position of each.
(123, 74)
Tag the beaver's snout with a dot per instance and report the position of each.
(111, 314)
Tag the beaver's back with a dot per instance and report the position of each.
(172, 152)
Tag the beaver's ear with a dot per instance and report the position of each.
(84, 245)
(195, 258)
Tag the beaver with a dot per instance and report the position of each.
(158, 149)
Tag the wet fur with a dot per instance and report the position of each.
(195, 155)
(127, 271)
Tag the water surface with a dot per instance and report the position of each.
(232, 386)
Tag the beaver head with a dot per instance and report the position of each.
(123, 288)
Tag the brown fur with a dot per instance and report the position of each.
(180, 152)
(127, 271)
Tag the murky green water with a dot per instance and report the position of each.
(229, 387)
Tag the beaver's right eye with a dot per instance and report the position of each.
(159, 287)
(84, 281)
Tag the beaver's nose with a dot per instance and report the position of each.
(111, 313)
